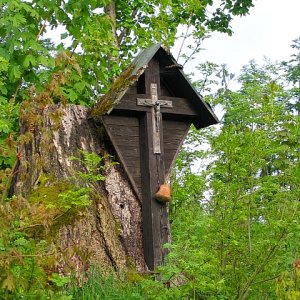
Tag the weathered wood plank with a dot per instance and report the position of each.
(152, 76)
(170, 139)
(121, 120)
(132, 89)
(154, 213)
(172, 144)
(174, 124)
(174, 135)
(133, 171)
(127, 131)
(138, 180)
(123, 140)
(133, 162)
(164, 91)
(130, 150)
(145, 143)
(180, 105)
(155, 229)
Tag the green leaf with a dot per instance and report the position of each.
(59, 281)
(64, 35)
(14, 73)
(47, 61)
(73, 96)
(18, 20)
(8, 283)
(3, 89)
(80, 85)
(4, 126)
(29, 61)
(3, 64)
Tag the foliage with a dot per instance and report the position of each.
(187, 185)
(292, 68)
(93, 164)
(237, 235)
(27, 265)
(287, 285)
(29, 253)
(98, 38)
(39, 68)
(100, 286)
(236, 222)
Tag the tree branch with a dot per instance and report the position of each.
(195, 50)
(42, 29)
(266, 280)
(183, 41)
(110, 10)
(259, 269)
(125, 30)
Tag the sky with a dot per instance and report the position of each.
(268, 31)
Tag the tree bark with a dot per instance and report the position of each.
(110, 10)
(108, 232)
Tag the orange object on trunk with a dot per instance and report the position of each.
(164, 194)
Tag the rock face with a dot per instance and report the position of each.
(107, 232)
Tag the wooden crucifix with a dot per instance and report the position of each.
(147, 126)
(155, 215)
(155, 105)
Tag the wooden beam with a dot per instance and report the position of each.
(147, 222)
(155, 221)
(152, 76)
(155, 218)
(180, 105)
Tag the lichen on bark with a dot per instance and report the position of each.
(108, 231)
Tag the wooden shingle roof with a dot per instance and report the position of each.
(172, 76)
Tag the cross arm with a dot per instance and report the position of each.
(180, 105)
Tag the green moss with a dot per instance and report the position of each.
(116, 91)
(123, 81)
(48, 190)
(67, 218)
(118, 228)
(102, 107)
(58, 202)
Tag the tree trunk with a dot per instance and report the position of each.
(107, 232)
(110, 10)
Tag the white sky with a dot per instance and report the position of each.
(267, 31)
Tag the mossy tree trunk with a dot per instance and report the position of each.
(108, 231)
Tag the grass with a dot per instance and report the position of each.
(108, 287)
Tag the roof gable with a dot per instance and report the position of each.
(172, 76)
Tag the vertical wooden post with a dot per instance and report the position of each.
(155, 222)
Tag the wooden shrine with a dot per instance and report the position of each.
(150, 109)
